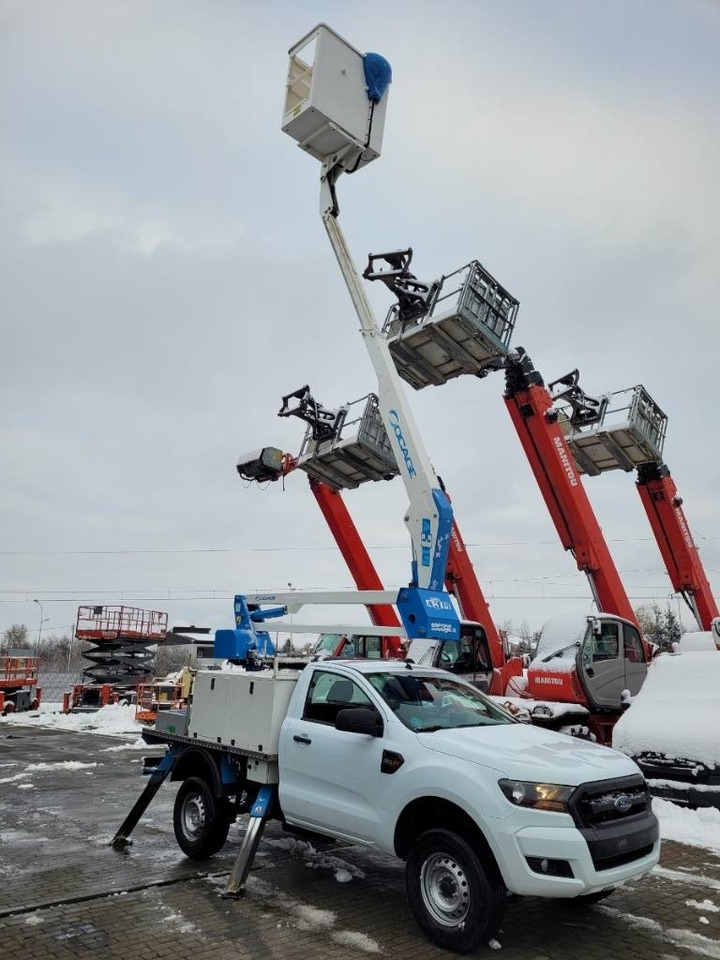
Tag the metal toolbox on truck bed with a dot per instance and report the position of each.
(240, 709)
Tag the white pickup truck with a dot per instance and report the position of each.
(414, 762)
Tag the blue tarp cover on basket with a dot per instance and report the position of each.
(378, 75)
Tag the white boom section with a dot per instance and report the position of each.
(294, 600)
(416, 470)
(351, 629)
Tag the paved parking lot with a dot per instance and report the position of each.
(65, 893)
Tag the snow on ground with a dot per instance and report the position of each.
(688, 939)
(698, 828)
(343, 871)
(303, 916)
(705, 905)
(30, 768)
(676, 712)
(360, 941)
(111, 720)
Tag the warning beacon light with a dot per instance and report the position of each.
(335, 99)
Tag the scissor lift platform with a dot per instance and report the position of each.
(630, 432)
(18, 681)
(358, 451)
(466, 331)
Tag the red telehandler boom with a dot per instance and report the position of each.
(530, 405)
(680, 554)
(628, 433)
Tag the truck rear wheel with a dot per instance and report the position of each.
(455, 897)
(201, 821)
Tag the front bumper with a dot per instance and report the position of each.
(598, 859)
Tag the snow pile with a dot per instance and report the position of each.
(61, 765)
(698, 828)
(113, 719)
(302, 849)
(696, 641)
(360, 941)
(305, 917)
(31, 768)
(677, 712)
(705, 905)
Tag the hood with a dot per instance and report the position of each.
(519, 751)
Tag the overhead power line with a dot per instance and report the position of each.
(303, 547)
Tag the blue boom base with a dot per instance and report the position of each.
(428, 614)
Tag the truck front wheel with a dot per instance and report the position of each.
(201, 822)
(454, 895)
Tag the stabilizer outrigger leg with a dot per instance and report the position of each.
(157, 778)
(259, 815)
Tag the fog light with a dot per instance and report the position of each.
(551, 868)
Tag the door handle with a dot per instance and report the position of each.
(301, 739)
(590, 672)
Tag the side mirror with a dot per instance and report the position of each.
(359, 720)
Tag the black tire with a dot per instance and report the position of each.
(456, 897)
(201, 821)
(588, 899)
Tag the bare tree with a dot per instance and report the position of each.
(14, 638)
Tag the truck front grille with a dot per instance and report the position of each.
(593, 804)
(616, 820)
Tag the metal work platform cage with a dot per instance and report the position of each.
(119, 622)
(630, 432)
(359, 451)
(467, 329)
(18, 668)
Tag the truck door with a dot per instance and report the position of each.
(634, 656)
(602, 664)
(469, 657)
(331, 779)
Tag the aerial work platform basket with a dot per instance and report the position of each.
(358, 449)
(329, 104)
(121, 654)
(630, 431)
(466, 330)
(119, 622)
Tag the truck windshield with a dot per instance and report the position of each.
(427, 702)
(327, 644)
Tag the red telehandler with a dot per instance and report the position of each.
(628, 433)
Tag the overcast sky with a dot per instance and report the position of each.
(166, 279)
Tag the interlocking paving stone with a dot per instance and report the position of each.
(64, 893)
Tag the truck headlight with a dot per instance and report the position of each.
(539, 796)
